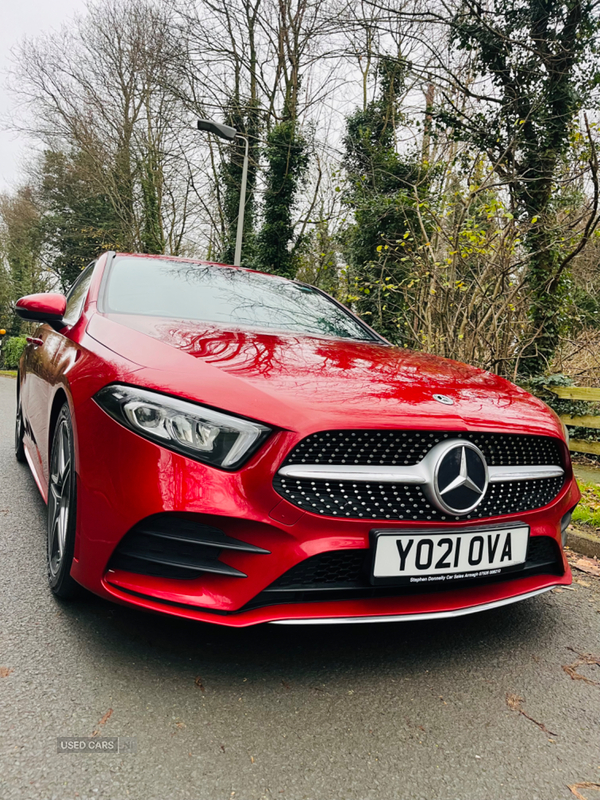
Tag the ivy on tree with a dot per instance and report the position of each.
(381, 194)
(539, 61)
(287, 157)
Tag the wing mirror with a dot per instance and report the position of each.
(48, 308)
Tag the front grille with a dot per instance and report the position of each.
(407, 502)
(173, 546)
(344, 575)
(396, 447)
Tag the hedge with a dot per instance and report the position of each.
(12, 350)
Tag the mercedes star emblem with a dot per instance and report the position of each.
(456, 477)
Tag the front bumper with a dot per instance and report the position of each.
(123, 479)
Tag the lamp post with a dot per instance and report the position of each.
(229, 133)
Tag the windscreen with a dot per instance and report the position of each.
(224, 295)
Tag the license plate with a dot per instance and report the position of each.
(414, 558)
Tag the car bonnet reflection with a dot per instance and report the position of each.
(333, 371)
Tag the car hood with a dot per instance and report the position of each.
(300, 381)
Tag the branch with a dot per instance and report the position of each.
(594, 219)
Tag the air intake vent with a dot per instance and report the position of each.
(344, 568)
(169, 546)
(344, 575)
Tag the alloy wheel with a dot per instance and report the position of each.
(59, 498)
(19, 448)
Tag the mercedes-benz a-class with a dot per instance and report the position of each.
(234, 447)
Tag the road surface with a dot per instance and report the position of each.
(405, 711)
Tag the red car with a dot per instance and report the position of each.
(233, 447)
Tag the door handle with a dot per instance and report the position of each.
(35, 342)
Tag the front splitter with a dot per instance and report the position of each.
(460, 612)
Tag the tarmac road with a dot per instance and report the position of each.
(399, 711)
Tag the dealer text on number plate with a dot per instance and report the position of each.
(439, 557)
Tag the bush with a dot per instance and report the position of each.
(12, 350)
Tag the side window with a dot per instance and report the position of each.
(77, 294)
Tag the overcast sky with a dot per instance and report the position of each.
(23, 18)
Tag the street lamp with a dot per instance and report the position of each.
(229, 133)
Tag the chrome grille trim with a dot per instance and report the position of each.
(529, 473)
(339, 472)
(415, 475)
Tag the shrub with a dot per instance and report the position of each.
(12, 351)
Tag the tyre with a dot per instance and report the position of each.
(62, 508)
(19, 430)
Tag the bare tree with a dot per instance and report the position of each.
(103, 87)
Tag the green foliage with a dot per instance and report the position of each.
(585, 307)
(588, 510)
(382, 191)
(540, 386)
(287, 157)
(12, 350)
(21, 247)
(540, 58)
(80, 222)
(370, 157)
(153, 239)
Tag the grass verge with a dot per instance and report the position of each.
(8, 373)
(588, 510)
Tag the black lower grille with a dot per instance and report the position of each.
(334, 568)
(344, 575)
(169, 546)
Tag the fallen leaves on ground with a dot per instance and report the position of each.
(583, 659)
(199, 683)
(591, 566)
(102, 722)
(5, 672)
(585, 785)
(514, 702)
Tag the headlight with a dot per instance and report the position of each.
(196, 431)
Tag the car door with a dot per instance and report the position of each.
(44, 363)
(34, 392)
